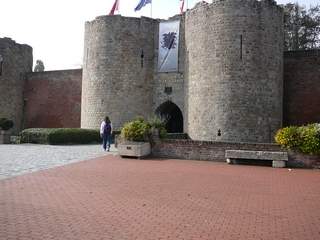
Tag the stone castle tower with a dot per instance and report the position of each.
(229, 83)
(115, 80)
(15, 62)
(234, 81)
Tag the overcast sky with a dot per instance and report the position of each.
(55, 28)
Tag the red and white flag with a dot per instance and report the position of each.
(115, 7)
(181, 6)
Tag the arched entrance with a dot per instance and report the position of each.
(173, 116)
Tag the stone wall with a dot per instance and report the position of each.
(175, 80)
(115, 82)
(301, 87)
(229, 78)
(215, 151)
(204, 150)
(17, 61)
(53, 99)
(234, 80)
(299, 160)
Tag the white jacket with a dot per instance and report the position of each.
(103, 124)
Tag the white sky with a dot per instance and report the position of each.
(55, 28)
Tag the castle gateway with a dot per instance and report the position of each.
(220, 65)
(217, 72)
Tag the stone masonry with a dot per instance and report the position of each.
(16, 61)
(229, 85)
(175, 80)
(234, 85)
(234, 55)
(115, 80)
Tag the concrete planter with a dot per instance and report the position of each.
(5, 137)
(134, 149)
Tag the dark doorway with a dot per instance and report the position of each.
(172, 115)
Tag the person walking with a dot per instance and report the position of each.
(105, 133)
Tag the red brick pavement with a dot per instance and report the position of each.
(113, 198)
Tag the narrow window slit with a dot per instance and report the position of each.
(142, 58)
(87, 56)
(241, 46)
(1, 64)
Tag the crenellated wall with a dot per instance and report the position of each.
(16, 62)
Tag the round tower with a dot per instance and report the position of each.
(117, 70)
(15, 62)
(235, 70)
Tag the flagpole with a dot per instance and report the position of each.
(151, 9)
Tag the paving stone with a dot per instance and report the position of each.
(114, 198)
(24, 158)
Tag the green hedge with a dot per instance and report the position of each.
(57, 136)
(304, 139)
(35, 135)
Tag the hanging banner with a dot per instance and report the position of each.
(168, 46)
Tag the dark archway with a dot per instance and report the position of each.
(173, 116)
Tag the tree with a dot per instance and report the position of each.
(39, 66)
(301, 27)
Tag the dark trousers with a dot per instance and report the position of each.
(106, 141)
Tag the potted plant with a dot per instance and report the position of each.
(135, 139)
(5, 125)
(158, 128)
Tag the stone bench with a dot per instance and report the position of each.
(278, 159)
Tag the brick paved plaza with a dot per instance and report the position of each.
(114, 198)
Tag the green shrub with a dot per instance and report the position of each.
(137, 130)
(310, 139)
(5, 124)
(35, 135)
(163, 133)
(304, 139)
(73, 136)
(288, 137)
(159, 124)
(60, 136)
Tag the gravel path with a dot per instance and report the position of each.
(24, 158)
